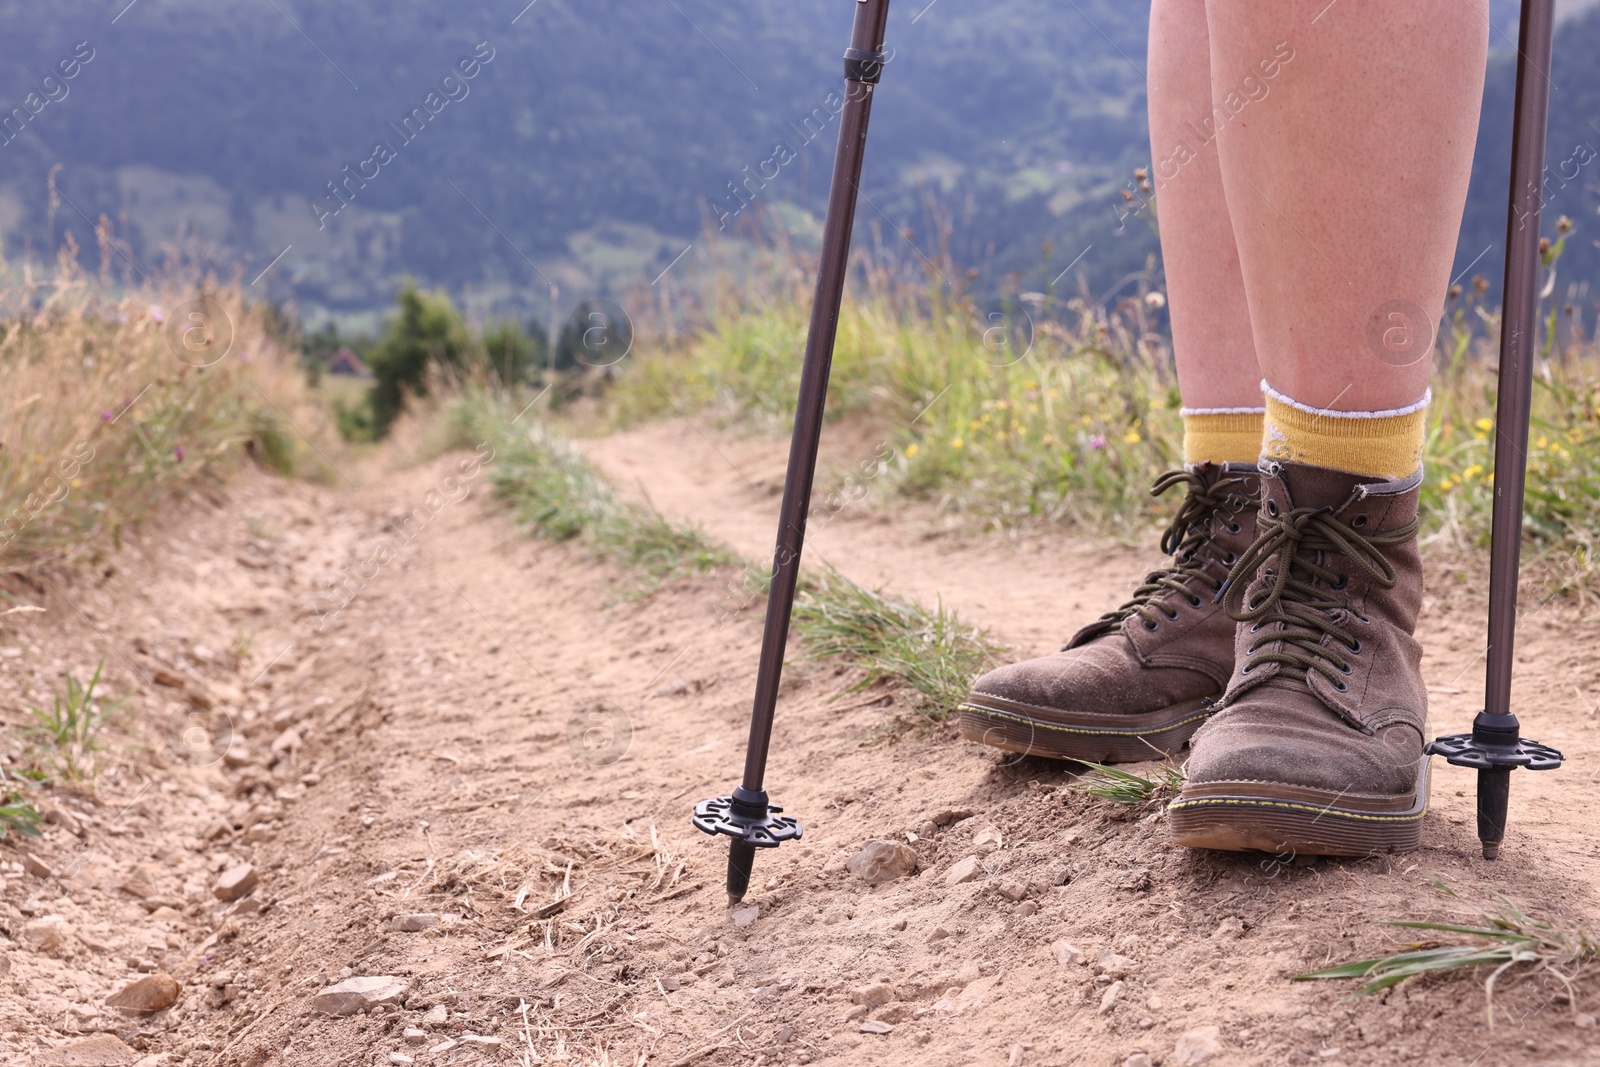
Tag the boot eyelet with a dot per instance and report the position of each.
(1234, 528)
(1195, 601)
(1172, 616)
(1342, 581)
(1151, 624)
(1248, 668)
(1356, 651)
(1255, 627)
(1341, 687)
(1230, 559)
(1346, 669)
(1272, 508)
(1359, 521)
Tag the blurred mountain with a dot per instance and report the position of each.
(589, 144)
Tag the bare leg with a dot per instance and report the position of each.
(1211, 334)
(1346, 182)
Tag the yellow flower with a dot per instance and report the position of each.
(912, 450)
(76, 482)
(1485, 425)
(1472, 471)
(1132, 437)
(956, 442)
(1544, 442)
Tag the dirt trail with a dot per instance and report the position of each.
(498, 741)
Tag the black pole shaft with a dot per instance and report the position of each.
(867, 36)
(1518, 337)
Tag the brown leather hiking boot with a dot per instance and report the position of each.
(1134, 684)
(1316, 749)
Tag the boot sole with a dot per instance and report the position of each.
(1014, 727)
(1294, 820)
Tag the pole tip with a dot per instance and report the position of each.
(1491, 851)
(734, 898)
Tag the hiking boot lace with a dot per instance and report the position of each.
(1302, 590)
(1186, 539)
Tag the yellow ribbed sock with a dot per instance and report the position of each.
(1221, 435)
(1383, 444)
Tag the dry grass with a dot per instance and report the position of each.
(101, 420)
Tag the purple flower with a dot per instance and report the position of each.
(244, 355)
(155, 313)
(177, 452)
(105, 416)
(1097, 442)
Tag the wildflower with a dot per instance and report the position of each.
(1097, 442)
(77, 483)
(1132, 437)
(911, 450)
(956, 442)
(177, 453)
(1155, 300)
(1485, 425)
(1563, 224)
(1472, 471)
(155, 313)
(105, 416)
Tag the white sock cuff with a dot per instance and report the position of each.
(1410, 409)
(1222, 411)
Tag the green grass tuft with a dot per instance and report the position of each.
(1126, 787)
(17, 815)
(929, 650)
(1508, 937)
(68, 732)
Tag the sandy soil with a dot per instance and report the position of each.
(498, 741)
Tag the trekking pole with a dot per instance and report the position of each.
(1495, 746)
(746, 816)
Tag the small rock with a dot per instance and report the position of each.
(875, 995)
(874, 1026)
(138, 886)
(882, 861)
(1065, 953)
(946, 816)
(481, 1042)
(1196, 1046)
(101, 1050)
(36, 866)
(675, 688)
(415, 921)
(400, 1058)
(1012, 890)
(964, 871)
(1014, 1057)
(1138, 1059)
(1114, 965)
(1583, 1021)
(48, 933)
(436, 1016)
(359, 994)
(444, 1046)
(1109, 1000)
(1228, 929)
(153, 992)
(898, 924)
(1028, 908)
(858, 1012)
(987, 839)
(235, 882)
(413, 1036)
(237, 756)
(746, 916)
(287, 741)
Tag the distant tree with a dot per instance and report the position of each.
(513, 354)
(428, 332)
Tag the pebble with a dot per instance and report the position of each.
(400, 1058)
(416, 921)
(1109, 999)
(36, 866)
(1196, 1046)
(987, 839)
(444, 1046)
(1114, 965)
(101, 1050)
(287, 741)
(413, 1036)
(359, 994)
(480, 1041)
(1012, 890)
(875, 995)
(235, 882)
(946, 816)
(1065, 953)
(965, 870)
(1228, 929)
(1137, 1059)
(153, 992)
(882, 861)
(48, 933)
(436, 1016)
(746, 916)
(874, 1026)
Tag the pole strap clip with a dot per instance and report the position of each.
(863, 66)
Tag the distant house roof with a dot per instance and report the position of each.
(346, 363)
